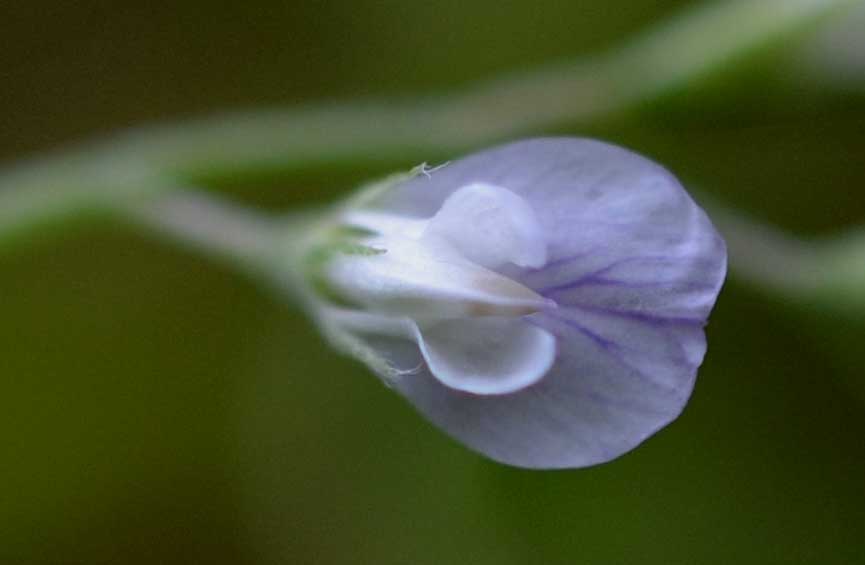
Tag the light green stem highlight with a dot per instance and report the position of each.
(212, 227)
(126, 174)
(94, 178)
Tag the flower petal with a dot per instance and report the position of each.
(421, 280)
(621, 231)
(604, 395)
(634, 266)
(487, 355)
(490, 226)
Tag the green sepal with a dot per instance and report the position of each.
(336, 241)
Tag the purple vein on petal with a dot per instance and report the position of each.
(602, 342)
(595, 277)
(609, 345)
(592, 280)
(655, 320)
(562, 262)
(616, 350)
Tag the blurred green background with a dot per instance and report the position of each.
(157, 408)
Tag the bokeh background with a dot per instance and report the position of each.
(156, 407)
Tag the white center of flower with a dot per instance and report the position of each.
(434, 281)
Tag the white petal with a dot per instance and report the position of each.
(367, 323)
(423, 281)
(487, 355)
(491, 226)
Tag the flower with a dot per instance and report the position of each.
(543, 302)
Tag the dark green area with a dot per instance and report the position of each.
(156, 408)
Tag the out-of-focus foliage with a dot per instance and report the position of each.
(156, 408)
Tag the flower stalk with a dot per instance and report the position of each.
(547, 277)
(675, 56)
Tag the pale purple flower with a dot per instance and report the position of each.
(542, 302)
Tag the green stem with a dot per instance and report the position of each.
(263, 246)
(128, 173)
(826, 273)
(216, 228)
(96, 178)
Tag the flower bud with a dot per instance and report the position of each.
(543, 302)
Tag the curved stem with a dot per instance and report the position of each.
(829, 272)
(211, 226)
(266, 247)
(704, 41)
(121, 174)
